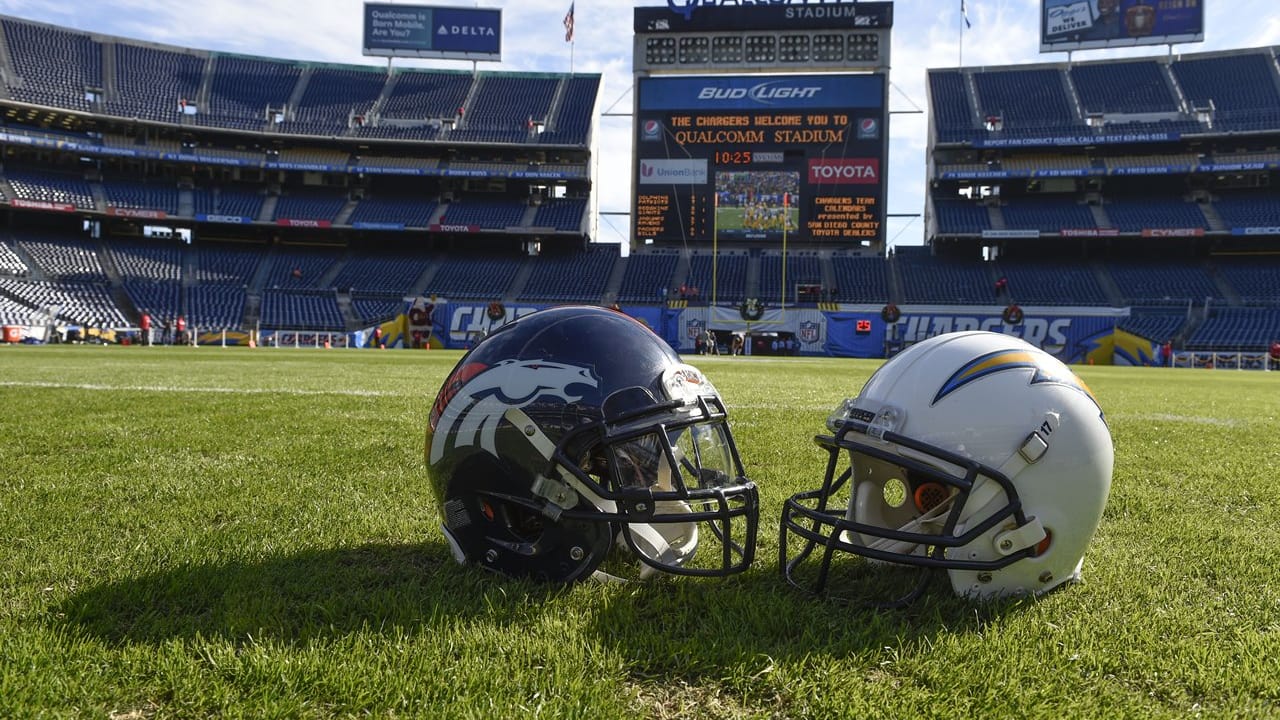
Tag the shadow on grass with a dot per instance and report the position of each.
(293, 598)
(671, 625)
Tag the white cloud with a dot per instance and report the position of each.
(927, 33)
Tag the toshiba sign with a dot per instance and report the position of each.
(845, 171)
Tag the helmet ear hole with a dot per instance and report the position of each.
(895, 492)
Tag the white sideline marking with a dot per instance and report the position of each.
(1172, 417)
(175, 389)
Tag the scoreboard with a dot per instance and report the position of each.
(760, 158)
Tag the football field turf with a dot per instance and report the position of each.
(247, 533)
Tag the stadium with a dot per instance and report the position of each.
(237, 528)
(281, 201)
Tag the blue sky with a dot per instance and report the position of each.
(927, 34)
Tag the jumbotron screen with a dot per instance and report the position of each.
(760, 158)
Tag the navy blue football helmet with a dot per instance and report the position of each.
(576, 429)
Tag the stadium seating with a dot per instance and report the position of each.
(1250, 101)
(68, 259)
(572, 120)
(298, 267)
(407, 210)
(1236, 329)
(570, 276)
(1025, 100)
(1134, 214)
(370, 309)
(78, 303)
(310, 204)
(494, 214)
(380, 274)
(10, 262)
(1137, 86)
(422, 94)
(647, 278)
(961, 217)
(1248, 209)
(151, 83)
(215, 307)
(860, 279)
(227, 264)
(152, 261)
(802, 268)
(728, 271)
(156, 195)
(57, 67)
(1060, 281)
(241, 90)
(301, 310)
(1162, 283)
(1255, 278)
(561, 214)
(1046, 214)
(474, 276)
(502, 105)
(333, 98)
(162, 300)
(928, 279)
(950, 106)
(1153, 324)
(59, 188)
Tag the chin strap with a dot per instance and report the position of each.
(1029, 452)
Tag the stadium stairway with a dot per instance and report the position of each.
(424, 280)
(995, 215)
(1224, 287)
(516, 289)
(6, 67)
(614, 283)
(268, 211)
(34, 271)
(344, 215)
(186, 202)
(1100, 217)
(349, 319)
(1107, 283)
(752, 288)
(1212, 217)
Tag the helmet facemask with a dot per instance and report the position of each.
(898, 505)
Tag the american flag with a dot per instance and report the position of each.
(568, 24)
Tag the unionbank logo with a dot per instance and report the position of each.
(673, 172)
(845, 171)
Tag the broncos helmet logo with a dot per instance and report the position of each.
(475, 399)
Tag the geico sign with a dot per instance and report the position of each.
(845, 171)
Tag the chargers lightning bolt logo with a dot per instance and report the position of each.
(476, 397)
(1001, 360)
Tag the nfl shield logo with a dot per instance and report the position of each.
(809, 332)
(694, 328)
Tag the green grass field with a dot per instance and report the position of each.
(249, 533)
(731, 218)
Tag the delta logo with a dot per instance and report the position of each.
(844, 171)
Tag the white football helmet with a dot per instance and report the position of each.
(971, 452)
